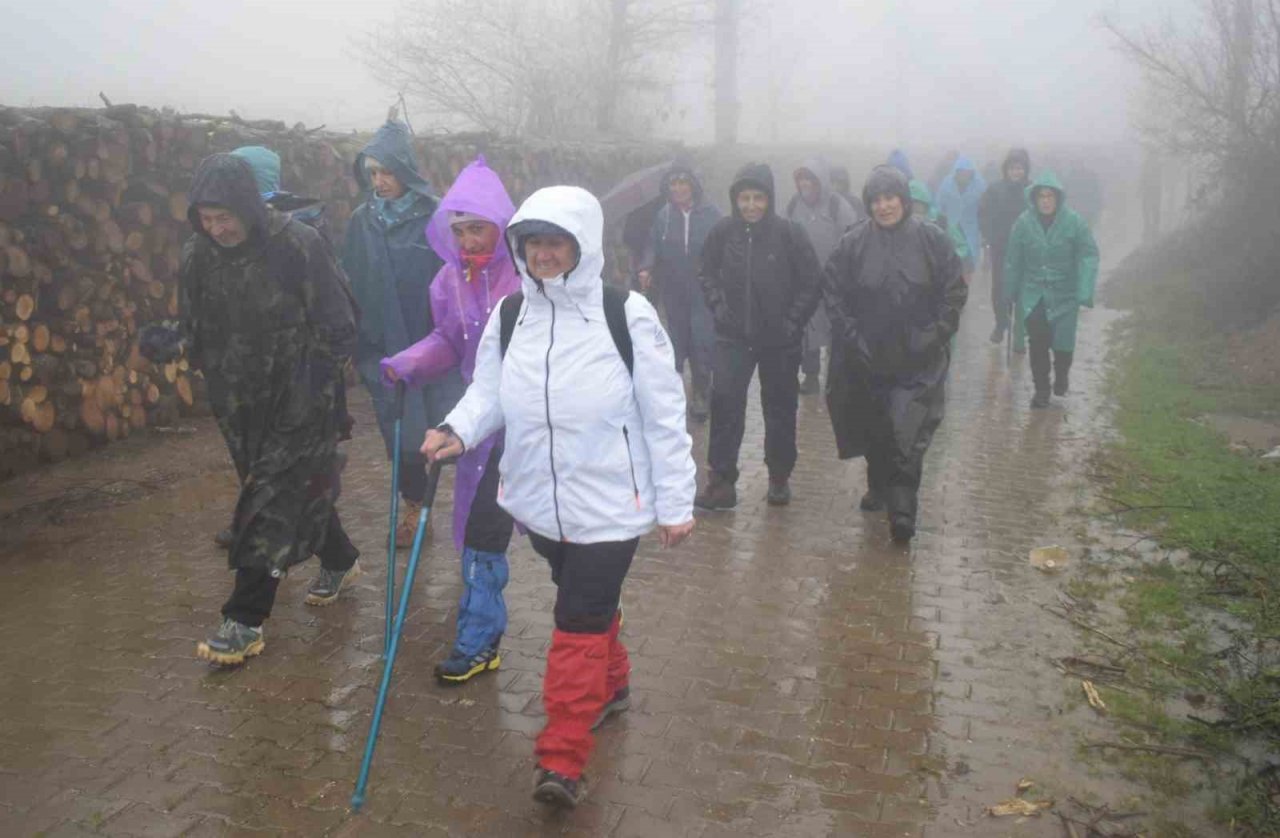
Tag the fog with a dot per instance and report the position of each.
(873, 71)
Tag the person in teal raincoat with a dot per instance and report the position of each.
(923, 208)
(1050, 270)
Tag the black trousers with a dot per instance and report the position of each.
(488, 525)
(736, 362)
(1003, 310)
(891, 477)
(254, 592)
(1040, 339)
(588, 580)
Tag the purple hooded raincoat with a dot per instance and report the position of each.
(461, 307)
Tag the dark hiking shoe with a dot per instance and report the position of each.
(621, 701)
(1061, 384)
(224, 538)
(1040, 400)
(719, 494)
(231, 644)
(459, 668)
(871, 502)
(997, 335)
(556, 789)
(902, 528)
(328, 584)
(779, 493)
(810, 384)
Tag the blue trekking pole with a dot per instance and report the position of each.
(395, 515)
(433, 480)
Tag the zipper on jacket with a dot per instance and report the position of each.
(635, 487)
(551, 429)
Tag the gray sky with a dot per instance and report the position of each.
(885, 71)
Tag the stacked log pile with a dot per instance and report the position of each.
(93, 215)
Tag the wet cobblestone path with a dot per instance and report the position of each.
(794, 673)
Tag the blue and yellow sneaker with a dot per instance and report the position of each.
(460, 667)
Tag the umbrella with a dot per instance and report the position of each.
(634, 191)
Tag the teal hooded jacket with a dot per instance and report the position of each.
(1056, 264)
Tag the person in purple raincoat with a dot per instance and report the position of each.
(468, 231)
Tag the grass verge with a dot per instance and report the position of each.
(1204, 611)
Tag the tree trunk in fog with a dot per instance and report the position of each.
(607, 108)
(726, 78)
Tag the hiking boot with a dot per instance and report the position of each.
(997, 335)
(1061, 384)
(621, 701)
(231, 644)
(779, 493)
(459, 668)
(902, 529)
(556, 789)
(223, 539)
(408, 526)
(328, 584)
(810, 384)
(719, 494)
(1040, 400)
(871, 502)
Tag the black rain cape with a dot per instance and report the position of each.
(894, 296)
(271, 324)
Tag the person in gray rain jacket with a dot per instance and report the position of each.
(670, 263)
(825, 216)
(391, 267)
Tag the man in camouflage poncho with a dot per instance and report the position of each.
(268, 318)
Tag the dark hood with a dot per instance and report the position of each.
(682, 168)
(891, 180)
(753, 176)
(227, 181)
(821, 172)
(391, 147)
(1016, 155)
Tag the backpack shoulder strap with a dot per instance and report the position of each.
(615, 315)
(508, 312)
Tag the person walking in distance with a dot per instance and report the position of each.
(391, 266)
(761, 279)
(894, 289)
(468, 230)
(1000, 207)
(1050, 271)
(670, 263)
(267, 317)
(583, 379)
(958, 198)
(825, 217)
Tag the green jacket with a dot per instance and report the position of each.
(1057, 266)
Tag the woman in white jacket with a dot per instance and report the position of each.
(596, 456)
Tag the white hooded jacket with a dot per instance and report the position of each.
(593, 453)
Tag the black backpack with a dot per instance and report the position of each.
(615, 315)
